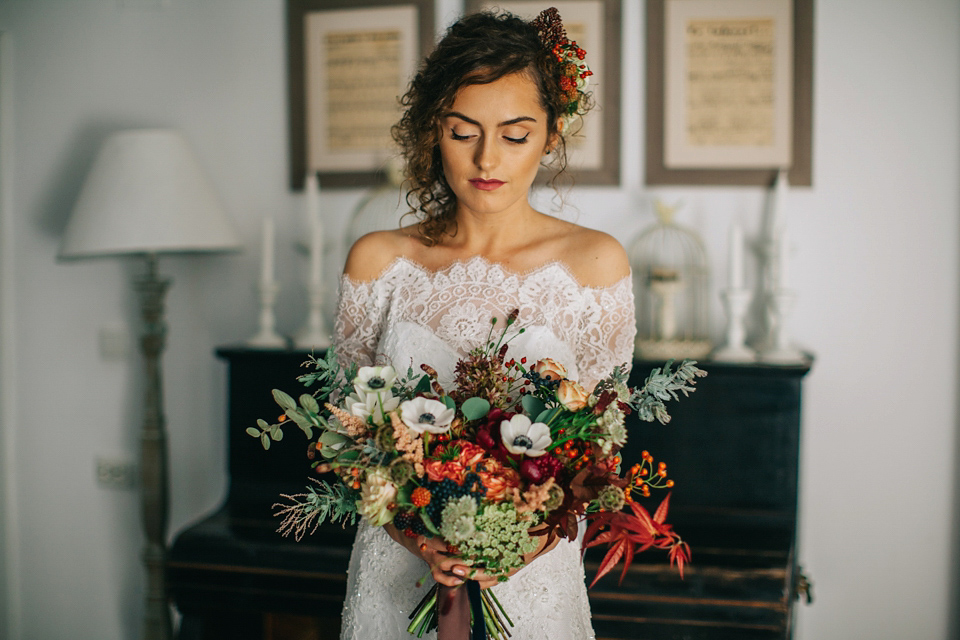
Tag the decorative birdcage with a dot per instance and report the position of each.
(671, 283)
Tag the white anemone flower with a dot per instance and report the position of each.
(423, 414)
(374, 379)
(520, 436)
(375, 405)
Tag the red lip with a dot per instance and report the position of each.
(486, 185)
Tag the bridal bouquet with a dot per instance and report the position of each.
(512, 452)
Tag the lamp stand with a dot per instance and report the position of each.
(157, 624)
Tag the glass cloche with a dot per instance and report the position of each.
(381, 208)
(671, 282)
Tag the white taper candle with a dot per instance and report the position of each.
(735, 275)
(266, 255)
(311, 188)
(778, 214)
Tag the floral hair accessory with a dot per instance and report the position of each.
(573, 71)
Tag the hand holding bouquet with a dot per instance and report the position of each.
(497, 467)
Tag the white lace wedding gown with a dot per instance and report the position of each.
(409, 316)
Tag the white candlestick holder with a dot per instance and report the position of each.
(267, 337)
(314, 334)
(778, 348)
(735, 304)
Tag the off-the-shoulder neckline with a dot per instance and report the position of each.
(433, 274)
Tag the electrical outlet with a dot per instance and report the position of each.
(116, 474)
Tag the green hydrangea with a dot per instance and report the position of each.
(499, 539)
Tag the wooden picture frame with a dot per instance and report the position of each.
(801, 119)
(594, 152)
(324, 37)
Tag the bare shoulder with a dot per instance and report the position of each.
(373, 253)
(597, 259)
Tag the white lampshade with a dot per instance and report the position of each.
(146, 194)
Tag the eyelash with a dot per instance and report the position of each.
(522, 140)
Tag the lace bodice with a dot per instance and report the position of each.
(410, 316)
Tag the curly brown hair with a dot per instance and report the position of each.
(478, 49)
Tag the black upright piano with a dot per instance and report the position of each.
(732, 448)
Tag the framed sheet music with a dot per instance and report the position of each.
(349, 61)
(593, 152)
(729, 91)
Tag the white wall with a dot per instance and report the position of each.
(874, 263)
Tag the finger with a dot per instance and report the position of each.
(446, 578)
(451, 565)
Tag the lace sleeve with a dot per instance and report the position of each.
(361, 312)
(609, 329)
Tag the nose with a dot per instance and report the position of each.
(486, 155)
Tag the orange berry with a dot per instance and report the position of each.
(669, 483)
(420, 497)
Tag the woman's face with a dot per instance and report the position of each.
(492, 141)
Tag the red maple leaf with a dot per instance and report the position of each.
(627, 533)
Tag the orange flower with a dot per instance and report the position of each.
(437, 470)
(571, 395)
(550, 369)
(498, 479)
(470, 454)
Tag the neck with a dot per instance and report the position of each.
(491, 234)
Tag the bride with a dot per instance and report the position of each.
(485, 110)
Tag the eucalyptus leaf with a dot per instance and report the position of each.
(475, 408)
(265, 441)
(447, 400)
(332, 439)
(309, 403)
(276, 433)
(285, 401)
(253, 431)
(262, 424)
(532, 405)
(548, 415)
(302, 421)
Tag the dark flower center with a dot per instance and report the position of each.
(523, 441)
(427, 418)
(376, 382)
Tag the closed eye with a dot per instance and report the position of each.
(456, 136)
(522, 140)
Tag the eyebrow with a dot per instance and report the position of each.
(505, 123)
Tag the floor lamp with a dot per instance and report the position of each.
(146, 195)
